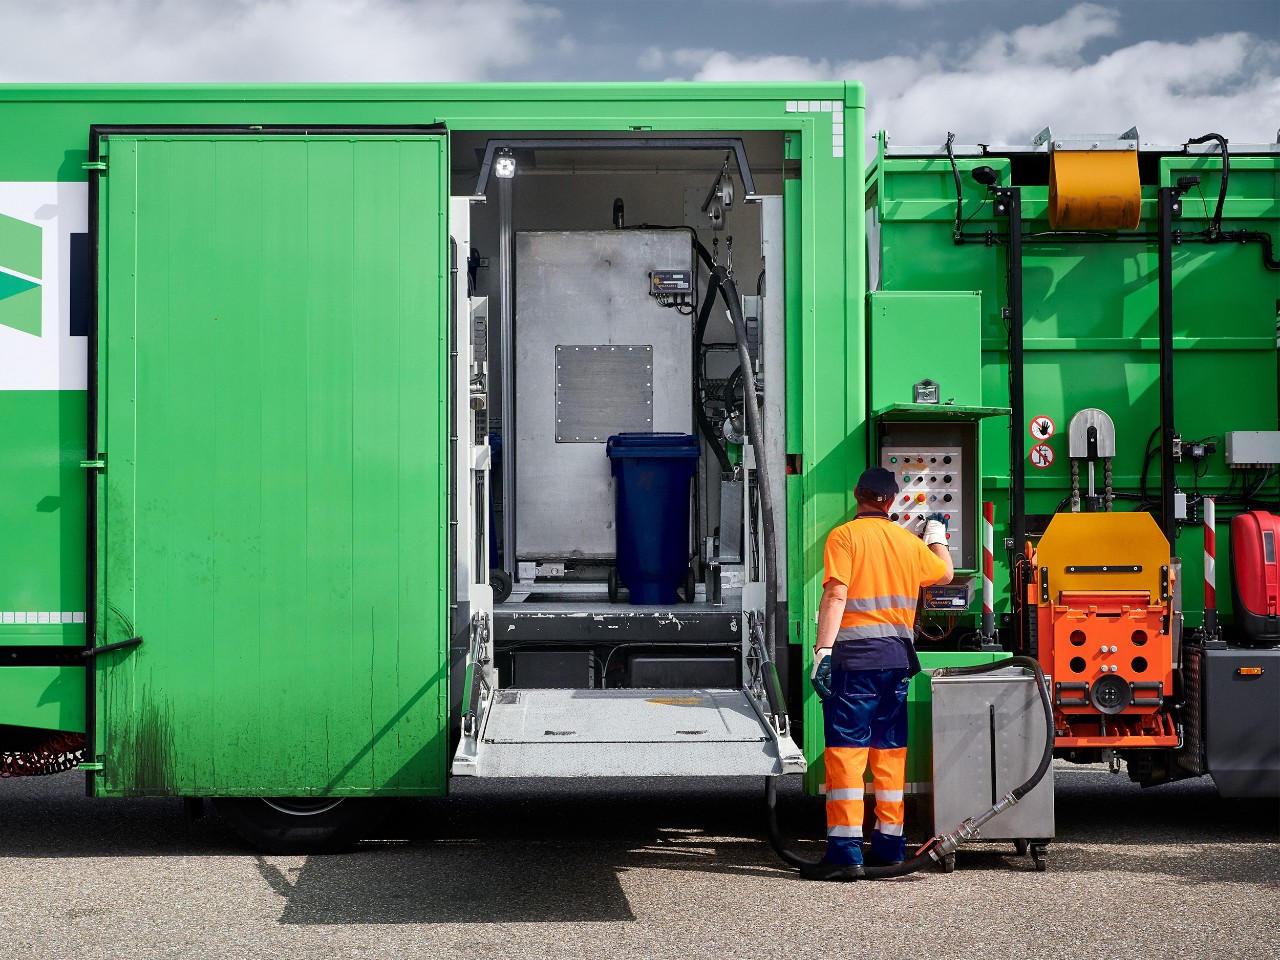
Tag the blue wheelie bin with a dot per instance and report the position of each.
(651, 505)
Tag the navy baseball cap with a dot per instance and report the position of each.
(879, 481)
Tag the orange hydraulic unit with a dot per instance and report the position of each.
(1104, 587)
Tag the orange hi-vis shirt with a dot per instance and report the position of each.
(883, 566)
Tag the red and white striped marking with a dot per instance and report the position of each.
(988, 560)
(1210, 557)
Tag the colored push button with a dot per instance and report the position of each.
(920, 498)
(893, 459)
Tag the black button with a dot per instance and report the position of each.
(946, 498)
(946, 459)
(947, 478)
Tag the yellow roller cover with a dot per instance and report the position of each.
(1094, 190)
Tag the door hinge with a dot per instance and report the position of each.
(91, 767)
(93, 464)
(94, 166)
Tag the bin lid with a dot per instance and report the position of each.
(656, 444)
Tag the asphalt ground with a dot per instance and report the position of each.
(621, 869)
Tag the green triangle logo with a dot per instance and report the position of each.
(20, 303)
(11, 286)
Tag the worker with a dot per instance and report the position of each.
(864, 660)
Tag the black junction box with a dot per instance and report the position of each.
(666, 670)
(552, 669)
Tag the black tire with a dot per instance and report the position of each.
(295, 825)
(690, 585)
(1021, 847)
(501, 583)
(613, 585)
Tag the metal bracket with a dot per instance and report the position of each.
(1044, 584)
(733, 144)
(93, 464)
(1164, 583)
(94, 166)
(108, 648)
(1135, 568)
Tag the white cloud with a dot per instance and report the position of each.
(1009, 85)
(267, 40)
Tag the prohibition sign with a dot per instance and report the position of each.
(1041, 455)
(1042, 428)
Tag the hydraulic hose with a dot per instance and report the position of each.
(945, 844)
(699, 332)
(756, 434)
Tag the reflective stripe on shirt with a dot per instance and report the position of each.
(874, 631)
(867, 604)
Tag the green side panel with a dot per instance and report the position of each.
(928, 335)
(1091, 326)
(274, 516)
(20, 247)
(42, 490)
(47, 698)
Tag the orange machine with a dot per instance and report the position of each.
(1104, 587)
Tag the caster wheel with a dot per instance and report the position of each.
(500, 581)
(1021, 846)
(1039, 856)
(949, 863)
(613, 585)
(690, 585)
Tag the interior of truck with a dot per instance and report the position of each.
(612, 556)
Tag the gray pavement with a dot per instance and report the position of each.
(618, 869)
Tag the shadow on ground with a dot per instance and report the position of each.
(546, 851)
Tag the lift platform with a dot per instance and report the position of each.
(626, 733)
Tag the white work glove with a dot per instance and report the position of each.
(935, 531)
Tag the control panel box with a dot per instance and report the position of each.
(953, 597)
(1252, 448)
(935, 466)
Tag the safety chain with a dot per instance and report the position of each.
(60, 752)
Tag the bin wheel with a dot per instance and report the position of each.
(501, 583)
(613, 584)
(949, 863)
(292, 825)
(690, 585)
(1021, 846)
(1039, 855)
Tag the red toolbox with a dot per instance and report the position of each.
(1255, 576)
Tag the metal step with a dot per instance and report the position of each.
(622, 733)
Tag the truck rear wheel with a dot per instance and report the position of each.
(299, 824)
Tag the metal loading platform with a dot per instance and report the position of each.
(626, 733)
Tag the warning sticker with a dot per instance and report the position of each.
(1041, 455)
(1042, 428)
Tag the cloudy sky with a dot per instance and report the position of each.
(992, 70)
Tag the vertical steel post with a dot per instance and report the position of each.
(1009, 204)
(1170, 203)
(506, 315)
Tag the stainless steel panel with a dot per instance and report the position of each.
(988, 737)
(587, 289)
(603, 390)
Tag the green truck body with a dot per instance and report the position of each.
(243, 455)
